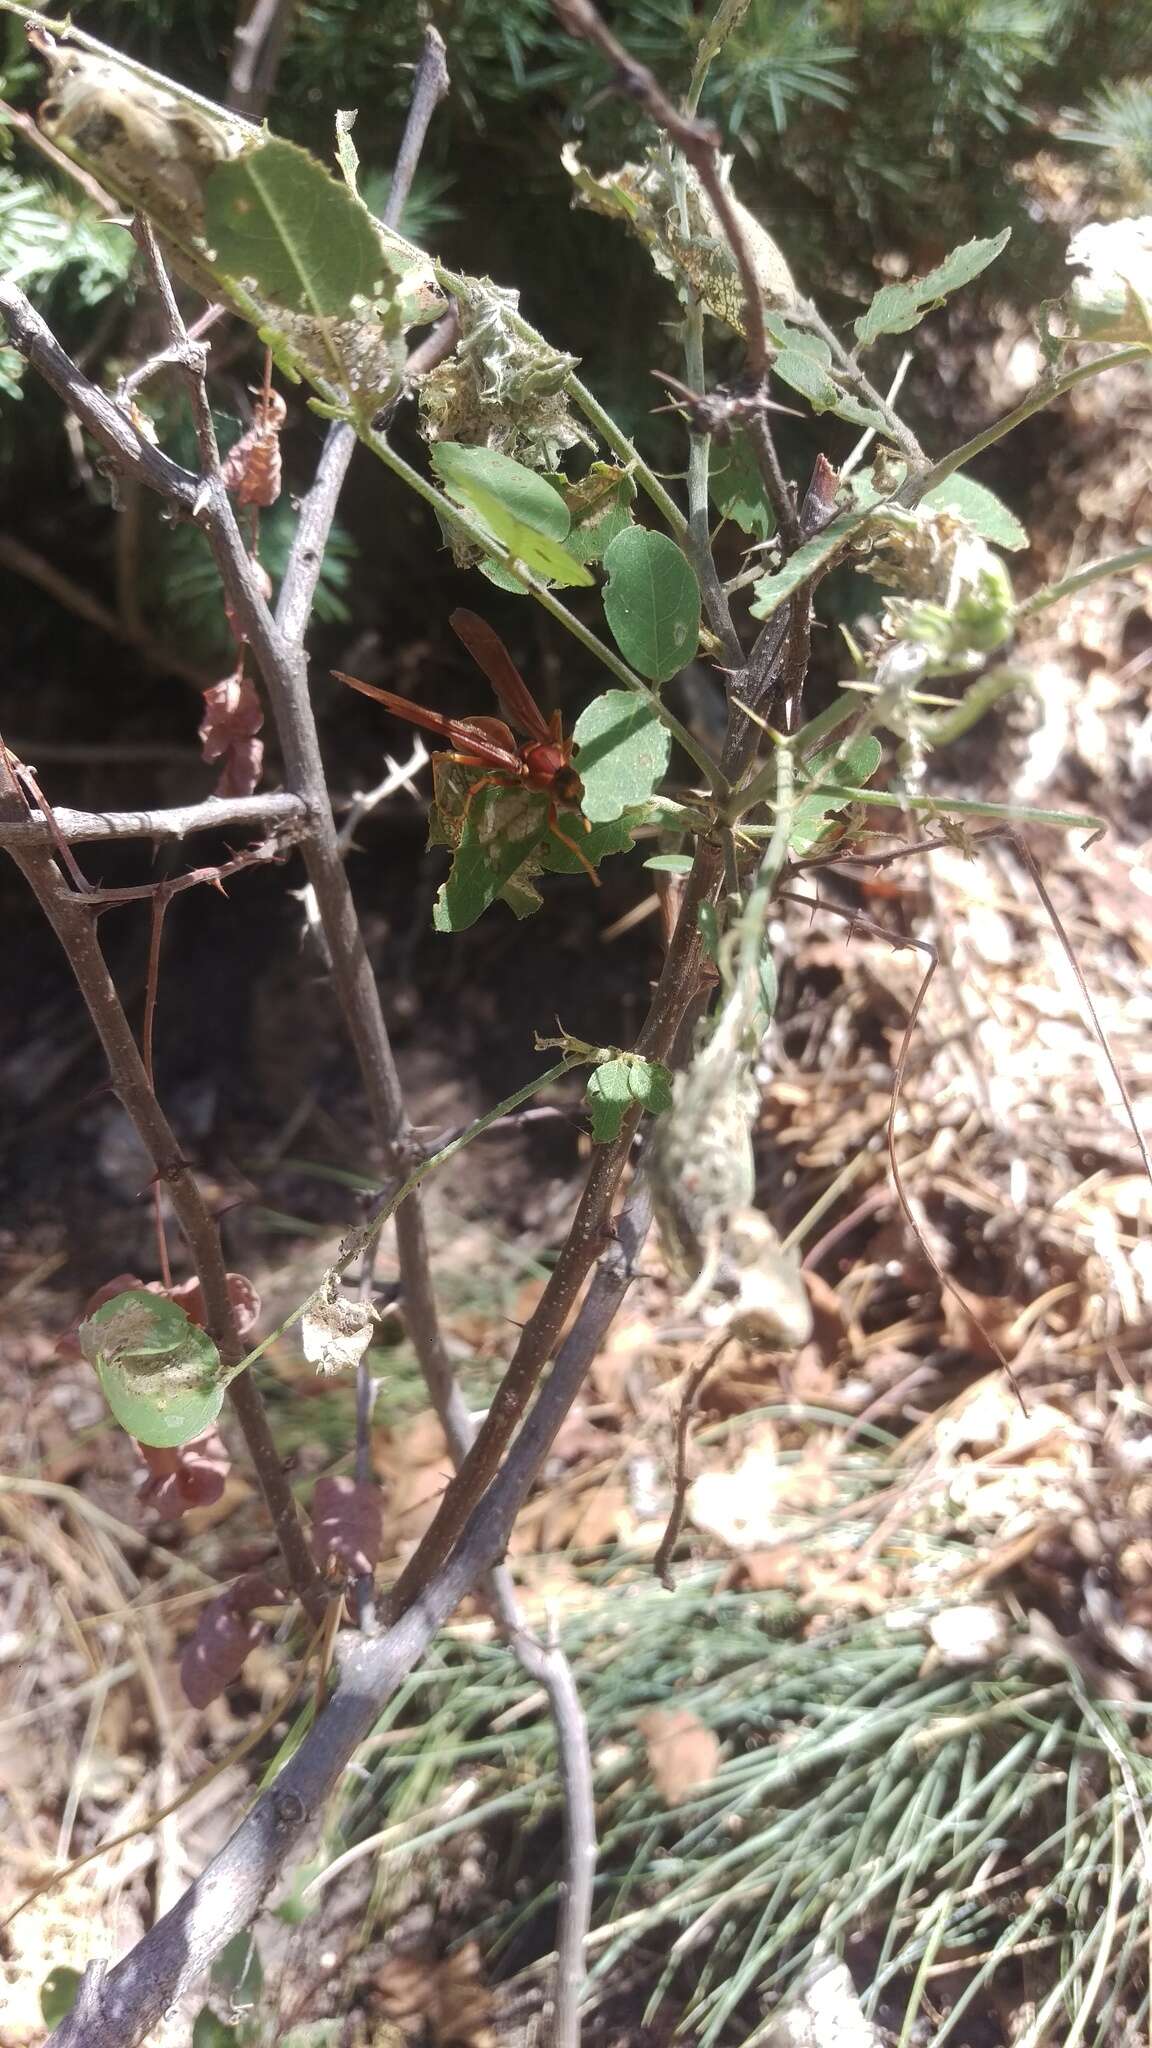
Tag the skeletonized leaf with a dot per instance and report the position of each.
(897, 307)
(600, 507)
(652, 602)
(500, 831)
(335, 1333)
(623, 753)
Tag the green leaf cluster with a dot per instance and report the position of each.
(618, 1085)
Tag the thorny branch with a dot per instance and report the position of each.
(278, 812)
(70, 917)
(699, 142)
(280, 658)
(116, 2009)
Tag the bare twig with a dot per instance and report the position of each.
(74, 926)
(590, 1228)
(257, 47)
(429, 88)
(662, 1562)
(281, 813)
(116, 2009)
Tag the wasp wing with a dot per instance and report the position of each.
(486, 739)
(489, 653)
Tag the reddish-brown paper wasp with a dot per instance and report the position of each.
(542, 761)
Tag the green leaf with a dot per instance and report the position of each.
(854, 764)
(771, 591)
(804, 374)
(652, 603)
(58, 1994)
(623, 753)
(981, 508)
(613, 835)
(801, 339)
(669, 864)
(161, 1374)
(897, 307)
(517, 506)
(500, 831)
(237, 1972)
(278, 217)
(615, 1086)
(736, 487)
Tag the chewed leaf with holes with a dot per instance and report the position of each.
(162, 1376)
(622, 753)
(898, 307)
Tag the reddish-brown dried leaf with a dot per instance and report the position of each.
(251, 468)
(226, 1632)
(184, 1476)
(347, 1524)
(187, 1294)
(233, 715)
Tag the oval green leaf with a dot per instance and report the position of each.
(652, 603)
(161, 1374)
(615, 1086)
(623, 753)
(278, 217)
(58, 1994)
